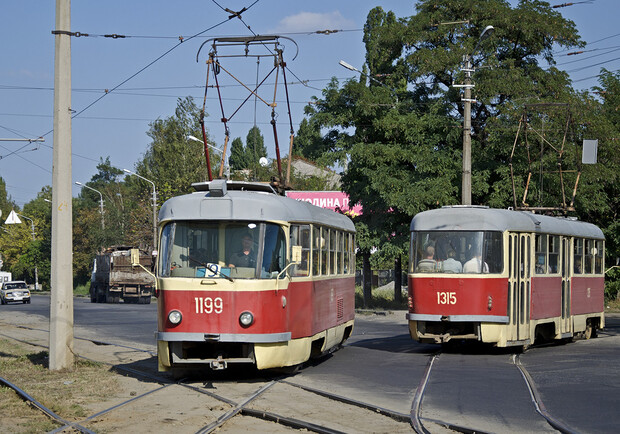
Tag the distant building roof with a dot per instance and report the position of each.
(307, 168)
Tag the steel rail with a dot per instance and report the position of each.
(26, 397)
(399, 417)
(233, 412)
(416, 422)
(538, 403)
(287, 421)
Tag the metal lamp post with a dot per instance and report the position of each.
(154, 206)
(353, 68)
(10, 221)
(466, 180)
(100, 201)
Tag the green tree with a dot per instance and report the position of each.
(255, 147)
(172, 161)
(400, 132)
(239, 158)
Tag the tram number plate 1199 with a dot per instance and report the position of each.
(209, 305)
(446, 298)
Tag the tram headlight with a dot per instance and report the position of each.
(246, 319)
(175, 317)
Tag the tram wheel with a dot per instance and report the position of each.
(590, 331)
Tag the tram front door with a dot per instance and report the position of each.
(520, 274)
(566, 267)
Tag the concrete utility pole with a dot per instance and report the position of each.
(466, 180)
(61, 305)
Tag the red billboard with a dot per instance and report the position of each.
(334, 200)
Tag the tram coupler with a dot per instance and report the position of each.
(218, 364)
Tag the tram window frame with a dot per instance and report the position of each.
(588, 256)
(541, 251)
(324, 251)
(346, 242)
(300, 236)
(578, 256)
(316, 250)
(167, 235)
(599, 257)
(333, 237)
(339, 248)
(352, 251)
(554, 254)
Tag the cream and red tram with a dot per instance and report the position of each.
(290, 298)
(503, 277)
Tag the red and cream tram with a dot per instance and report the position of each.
(503, 277)
(248, 276)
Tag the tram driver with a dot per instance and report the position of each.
(246, 256)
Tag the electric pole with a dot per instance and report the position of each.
(61, 305)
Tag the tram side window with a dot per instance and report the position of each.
(341, 236)
(316, 250)
(164, 249)
(578, 256)
(598, 257)
(352, 252)
(300, 236)
(345, 252)
(332, 251)
(588, 257)
(324, 248)
(541, 254)
(554, 254)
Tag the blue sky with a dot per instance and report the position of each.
(116, 125)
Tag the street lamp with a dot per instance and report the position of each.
(100, 201)
(227, 167)
(154, 205)
(10, 221)
(353, 68)
(466, 181)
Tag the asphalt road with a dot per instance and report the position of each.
(471, 387)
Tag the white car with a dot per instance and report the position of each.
(14, 291)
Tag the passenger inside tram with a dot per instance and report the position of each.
(428, 263)
(451, 265)
(476, 264)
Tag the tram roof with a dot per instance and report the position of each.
(234, 200)
(479, 218)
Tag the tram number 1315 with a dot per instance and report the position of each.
(209, 305)
(446, 298)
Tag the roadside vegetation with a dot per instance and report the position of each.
(64, 392)
(397, 136)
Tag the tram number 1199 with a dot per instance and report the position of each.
(446, 298)
(209, 305)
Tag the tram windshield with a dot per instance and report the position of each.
(222, 249)
(456, 252)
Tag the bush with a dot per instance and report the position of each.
(381, 299)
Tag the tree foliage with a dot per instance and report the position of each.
(398, 129)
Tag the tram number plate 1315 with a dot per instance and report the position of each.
(209, 305)
(446, 298)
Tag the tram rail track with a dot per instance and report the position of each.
(246, 405)
(238, 407)
(417, 421)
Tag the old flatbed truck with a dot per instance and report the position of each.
(114, 278)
